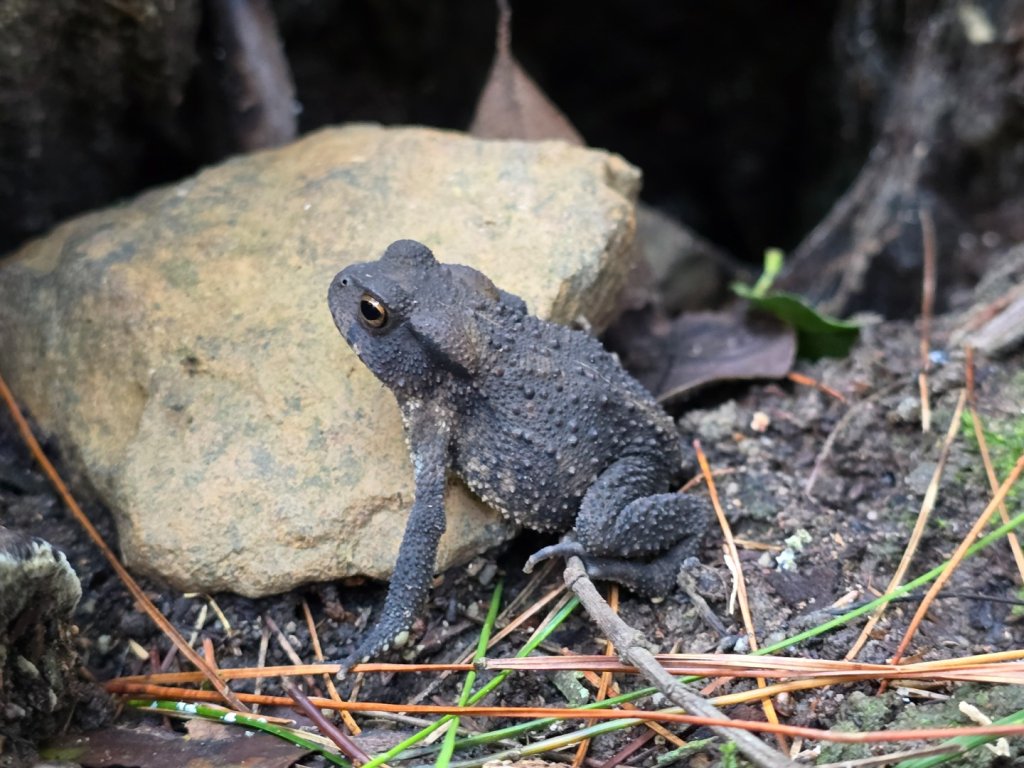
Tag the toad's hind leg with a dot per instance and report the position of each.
(623, 519)
(624, 516)
(629, 533)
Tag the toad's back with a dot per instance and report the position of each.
(550, 412)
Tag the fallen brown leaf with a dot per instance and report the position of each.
(512, 105)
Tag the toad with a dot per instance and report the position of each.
(537, 419)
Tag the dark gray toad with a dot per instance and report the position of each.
(537, 419)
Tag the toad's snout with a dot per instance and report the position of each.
(339, 300)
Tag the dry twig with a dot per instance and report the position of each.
(632, 649)
(301, 702)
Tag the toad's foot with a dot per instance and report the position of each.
(567, 547)
(654, 578)
(385, 636)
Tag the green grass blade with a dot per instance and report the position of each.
(497, 680)
(230, 717)
(444, 757)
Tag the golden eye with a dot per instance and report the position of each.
(373, 313)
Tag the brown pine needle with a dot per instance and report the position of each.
(927, 309)
(289, 650)
(628, 751)
(697, 479)
(986, 460)
(926, 406)
(741, 585)
(1004, 666)
(958, 556)
(797, 674)
(208, 653)
(606, 680)
(672, 715)
(807, 381)
(758, 546)
(809, 681)
(927, 505)
(122, 573)
(261, 660)
(522, 618)
(332, 691)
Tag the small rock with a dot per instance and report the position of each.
(920, 477)
(760, 421)
(487, 574)
(181, 349)
(688, 271)
(907, 411)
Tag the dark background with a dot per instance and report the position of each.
(747, 119)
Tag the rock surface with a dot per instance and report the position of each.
(180, 347)
(687, 271)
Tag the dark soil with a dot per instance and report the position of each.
(854, 525)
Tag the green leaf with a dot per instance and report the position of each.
(818, 335)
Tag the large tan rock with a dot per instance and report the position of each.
(181, 350)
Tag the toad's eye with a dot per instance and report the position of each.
(372, 312)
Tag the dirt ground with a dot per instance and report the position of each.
(871, 465)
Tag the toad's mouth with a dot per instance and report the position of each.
(354, 344)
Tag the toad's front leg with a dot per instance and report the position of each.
(414, 569)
